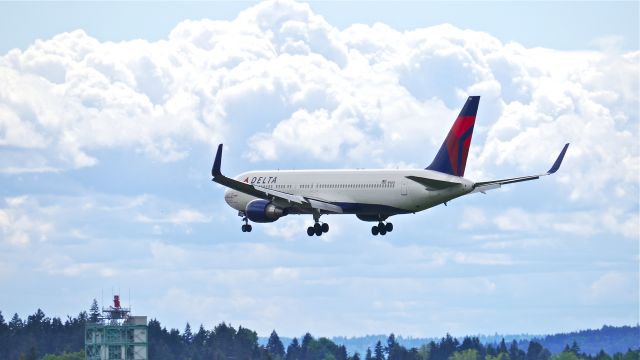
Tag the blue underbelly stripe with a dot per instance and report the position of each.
(357, 208)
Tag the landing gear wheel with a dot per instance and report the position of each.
(318, 230)
(249, 228)
(244, 228)
(389, 227)
(382, 230)
(374, 230)
(325, 228)
(310, 231)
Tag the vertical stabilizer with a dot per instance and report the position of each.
(452, 156)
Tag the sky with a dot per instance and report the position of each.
(110, 114)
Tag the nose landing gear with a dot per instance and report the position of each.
(381, 228)
(246, 227)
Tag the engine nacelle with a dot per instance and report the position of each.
(263, 211)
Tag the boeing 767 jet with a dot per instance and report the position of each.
(371, 195)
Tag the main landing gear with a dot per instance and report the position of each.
(317, 229)
(246, 227)
(382, 228)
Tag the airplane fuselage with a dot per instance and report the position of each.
(372, 194)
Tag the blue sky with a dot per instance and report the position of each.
(110, 113)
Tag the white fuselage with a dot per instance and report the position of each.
(363, 192)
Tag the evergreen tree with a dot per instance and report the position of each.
(200, 337)
(341, 354)
(378, 351)
(16, 323)
(502, 347)
(3, 326)
(391, 343)
(515, 353)
(275, 347)
(94, 312)
(575, 348)
(187, 336)
(293, 350)
(445, 349)
(602, 356)
(534, 350)
(473, 343)
(356, 356)
(246, 344)
(304, 348)
(368, 355)
(222, 336)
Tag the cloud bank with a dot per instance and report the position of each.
(282, 83)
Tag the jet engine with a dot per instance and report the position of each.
(263, 211)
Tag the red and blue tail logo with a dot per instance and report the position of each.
(452, 156)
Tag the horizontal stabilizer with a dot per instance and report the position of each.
(484, 188)
(432, 183)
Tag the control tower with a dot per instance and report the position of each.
(116, 335)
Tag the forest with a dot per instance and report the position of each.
(40, 337)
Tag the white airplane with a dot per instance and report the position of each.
(372, 195)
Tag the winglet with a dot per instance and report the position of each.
(556, 164)
(215, 170)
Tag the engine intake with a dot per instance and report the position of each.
(263, 211)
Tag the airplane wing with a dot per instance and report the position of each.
(494, 184)
(269, 194)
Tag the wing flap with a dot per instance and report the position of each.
(326, 206)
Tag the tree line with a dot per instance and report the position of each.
(40, 337)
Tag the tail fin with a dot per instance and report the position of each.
(452, 156)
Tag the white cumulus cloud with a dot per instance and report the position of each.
(283, 84)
